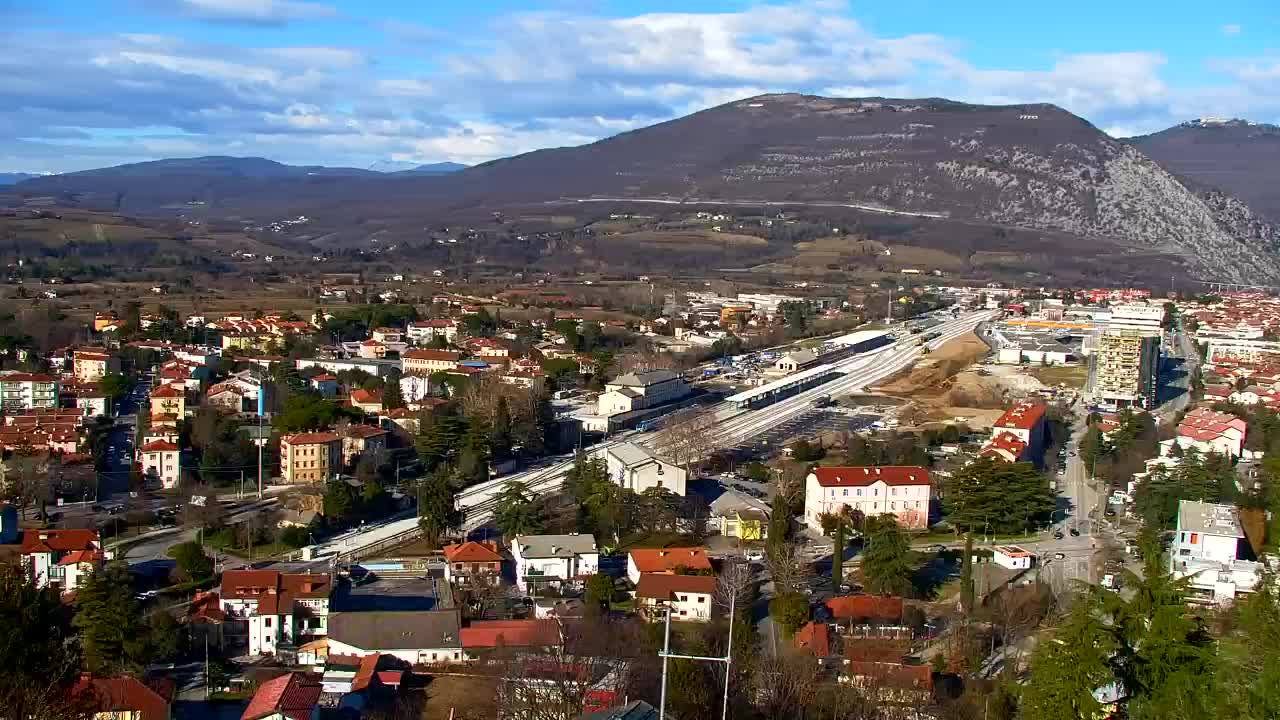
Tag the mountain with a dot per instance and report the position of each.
(440, 168)
(1236, 157)
(17, 177)
(1022, 187)
(1025, 166)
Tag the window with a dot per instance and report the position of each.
(702, 598)
(859, 491)
(894, 491)
(846, 492)
(266, 622)
(1194, 538)
(682, 598)
(893, 506)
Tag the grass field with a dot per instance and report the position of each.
(1072, 376)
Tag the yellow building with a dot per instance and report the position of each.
(90, 366)
(745, 525)
(169, 400)
(310, 457)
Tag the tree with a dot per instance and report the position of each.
(109, 622)
(40, 656)
(790, 610)
(518, 512)
(500, 432)
(887, 560)
(192, 562)
(688, 436)
(991, 496)
(599, 591)
(392, 396)
(164, 636)
(114, 386)
(437, 511)
(1066, 669)
(966, 576)
(339, 501)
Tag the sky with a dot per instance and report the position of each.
(91, 83)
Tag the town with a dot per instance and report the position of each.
(427, 498)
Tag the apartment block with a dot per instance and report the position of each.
(1127, 367)
(310, 457)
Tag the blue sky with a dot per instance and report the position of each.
(88, 83)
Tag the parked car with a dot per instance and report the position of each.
(1075, 532)
(1059, 556)
(1057, 535)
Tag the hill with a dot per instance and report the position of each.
(16, 177)
(1236, 157)
(1027, 185)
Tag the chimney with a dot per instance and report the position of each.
(662, 553)
(555, 549)
(866, 471)
(877, 471)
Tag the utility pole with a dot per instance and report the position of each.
(262, 442)
(666, 654)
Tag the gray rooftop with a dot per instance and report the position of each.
(634, 710)
(406, 630)
(549, 546)
(801, 357)
(631, 454)
(644, 378)
(734, 501)
(1209, 519)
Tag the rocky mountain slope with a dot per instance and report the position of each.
(1231, 156)
(1003, 169)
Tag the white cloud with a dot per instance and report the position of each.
(257, 12)
(1230, 29)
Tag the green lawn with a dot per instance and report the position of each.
(1072, 376)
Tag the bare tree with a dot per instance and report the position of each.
(735, 580)
(788, 566)
(688, 437)
(783, 686)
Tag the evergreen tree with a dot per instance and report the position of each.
(109, 622)
(39, 654)
(500, 440)
(518, 512)
(887, 560)
(437, 511)
(966, 576)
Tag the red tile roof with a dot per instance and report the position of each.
(431, 355)
(34, 541)
(1023, 416)
(657, 560)
(363, 397)
(510, 633)
(664, 587)
(124, 693)
(75, 557)
(472, 551)
(869, 607)
(166, 391)
(364, 675)
(892, 674)
(816, 638)
(364, 431)
(292, 695)
(160, 446)
(865, 476)
(27, 377)
(310, 438)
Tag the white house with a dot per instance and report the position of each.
(61, 558)
(636, 468)
(666, 561)
(424, 331)
(553, 558)
(1012, 557)
(903, 491)
(422, 637)
(27, 391)
(687, 597)
(640, 390)
(1208, 431)
(1206, 548)
(161, 461)
(279, 608)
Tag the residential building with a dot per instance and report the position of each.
(641, 390)
(638, 469)
(1207, 547)
(387, 335)
(553, 559)
(424, 637)
(425, 362)
(358, 440)
(169, 400)
(366, 401)
(161, 463)
(310, 457)
(61, 558)
(295, 696)
(904, 491)
(686, 597)
(1007, 447)
(1026, 423)
(532, 379)
(425, 331)
(740, 516)
(1207, 431)
(482, 637)
(27, 391)
(325, 384)
(373, 366)
(281, 610)
(1126, 367)
(372, 349)
(890, 683)
(858, 610)
(473, 562)
(92, 365)
(666, 561)
(125, 698)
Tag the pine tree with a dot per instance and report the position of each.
(109, 622)
(437, 513)
(40, 659)
(966, 576)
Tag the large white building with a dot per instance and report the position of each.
(636, 468)
(1140, 317)
(903, 491)
(281, 609)
(28, 391)
(552, 559)
(1206, 548)
(640, 390)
